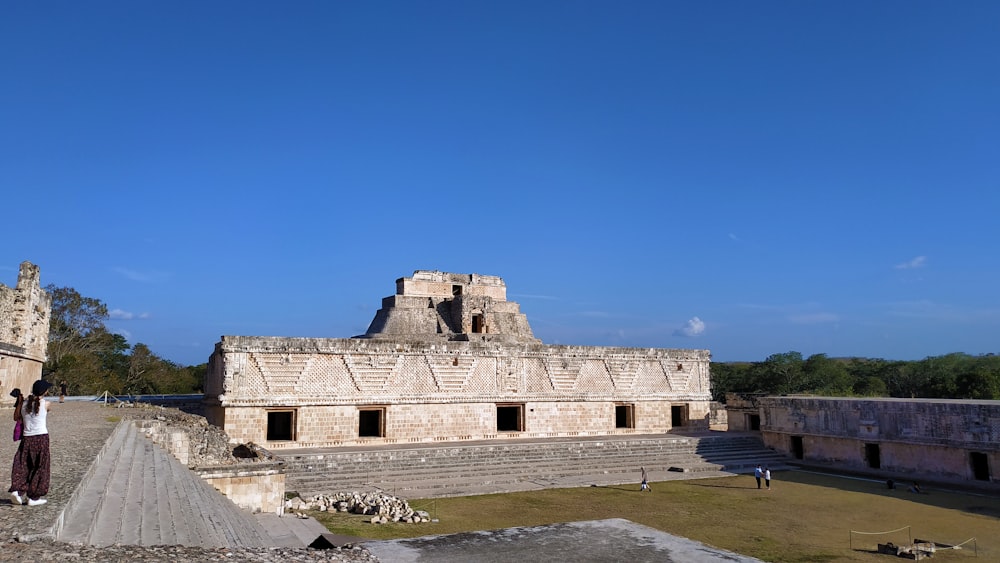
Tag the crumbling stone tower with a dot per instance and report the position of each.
(434, 305)
(24, 330)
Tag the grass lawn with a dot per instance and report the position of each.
(805, 517)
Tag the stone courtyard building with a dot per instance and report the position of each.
(447, 358)
(24, 330)
(928, 439)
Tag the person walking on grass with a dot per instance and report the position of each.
(767, 478)
(30, 473)
(645, 481)
(757, 474)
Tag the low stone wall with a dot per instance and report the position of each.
(718, 416)
(952, 439)
(259, 487)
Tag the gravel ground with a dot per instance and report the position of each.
(77, 431)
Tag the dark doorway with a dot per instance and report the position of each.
(510, 418)
(456, 291)
(798, 451)
(980, 466)
(873, 456)
(753, 421)
(477, 324)
(624, 416)
(678, 415)
(280, 425)
(371, 423)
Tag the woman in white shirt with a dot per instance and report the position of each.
(29, 477)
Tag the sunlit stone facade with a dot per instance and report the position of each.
(24, 330)
(447, 358)
(930, 438)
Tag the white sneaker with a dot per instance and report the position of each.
(36, 502)
(16, 498)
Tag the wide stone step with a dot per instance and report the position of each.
(494, 463)
(351, 462)
(320, 484)
(77, 519)
(138, 494)
(332, 461)
(441, 470)
(549, 467)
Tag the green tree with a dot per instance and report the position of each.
(782, 373)
(92, 360)
(824, 376)
(870, 386)
(731, 377)
(75, 324)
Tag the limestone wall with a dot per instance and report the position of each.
(742, 409)
(24, 330)
(331, 426)
(922, 436)
(447, 391)
(258, 488)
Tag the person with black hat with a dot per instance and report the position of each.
(29, 476)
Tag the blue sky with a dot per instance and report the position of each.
(744, 177)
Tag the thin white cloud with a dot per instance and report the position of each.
(917, 262)
(134, 275)
(926, 309)
(120, 315)
(693, 327)
(733, 237)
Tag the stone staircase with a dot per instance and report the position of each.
(435, 470)
(136, 493)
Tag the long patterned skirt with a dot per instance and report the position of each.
(30, 472)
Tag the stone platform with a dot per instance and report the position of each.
(485, 467)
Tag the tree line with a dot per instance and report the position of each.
(952, 376)
(92, 360)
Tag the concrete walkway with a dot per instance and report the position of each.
(597, 541)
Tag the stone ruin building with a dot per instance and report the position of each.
(447, 358)
(928, 438)
(24, 330)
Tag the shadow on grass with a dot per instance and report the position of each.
(971, 502)
(614, 488)
(696, 484)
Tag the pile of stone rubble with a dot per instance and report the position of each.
(208, 445)
(381, 507)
